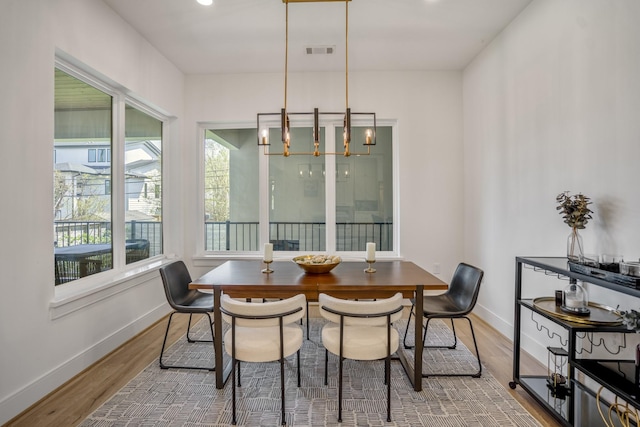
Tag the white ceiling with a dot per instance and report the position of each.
(236, 36)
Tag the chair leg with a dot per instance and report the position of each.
(239, 382)
(326, 366)
(406, 331)
(164, 343)
(307, 319)
(450, 347)
(387, 379)
(233, 388)
(455, 337)
(283, 422)
(475, 345)
(298, 356)
(189, 328)
(340, 389)
(191, 340)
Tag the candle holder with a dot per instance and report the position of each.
(370, 269)
(268, 269)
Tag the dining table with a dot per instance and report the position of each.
(349, 280)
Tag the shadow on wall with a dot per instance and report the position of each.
(605, 216)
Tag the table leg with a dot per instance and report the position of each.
(419, 345)
(414, 373)
(217, 345)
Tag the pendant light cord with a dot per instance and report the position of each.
(346, 52)
(286, 55)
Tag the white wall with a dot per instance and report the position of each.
(550, 105)
(553, 104)
(39, 353)
(427, 107)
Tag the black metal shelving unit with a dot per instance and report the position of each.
(578, 407)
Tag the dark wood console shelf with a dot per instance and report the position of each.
(578, 407)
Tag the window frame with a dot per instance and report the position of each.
(99, 284)
(263, 204)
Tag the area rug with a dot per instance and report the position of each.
(178, 397)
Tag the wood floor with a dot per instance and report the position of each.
(75, 400)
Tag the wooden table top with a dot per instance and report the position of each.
(244, 279)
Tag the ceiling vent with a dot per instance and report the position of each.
(320, 50)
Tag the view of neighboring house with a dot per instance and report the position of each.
(84, 169)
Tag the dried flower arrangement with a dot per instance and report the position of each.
(574, 209)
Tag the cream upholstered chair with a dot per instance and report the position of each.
(176, 279)
(262, 333)
(456, 303)
(277, 299)
(360, 330)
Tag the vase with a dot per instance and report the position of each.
(574, 246)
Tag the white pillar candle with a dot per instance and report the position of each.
(371, 251)
(268, 252)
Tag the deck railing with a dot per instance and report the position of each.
(238, 236)
(297, 236)
(70, 233)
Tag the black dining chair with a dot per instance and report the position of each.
(176, 279)
(456, 303)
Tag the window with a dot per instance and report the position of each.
(143, 170)
(364, 196)
(86, 225)
(297, 190)
(83, 210)
(328, 203)
(231, 194)
(102, 155)
(99, 155)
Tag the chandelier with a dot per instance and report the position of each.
(365, 130)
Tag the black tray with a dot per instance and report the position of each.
(609, 276)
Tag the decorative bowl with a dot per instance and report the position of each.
(317, 264)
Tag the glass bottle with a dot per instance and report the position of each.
(575, 299)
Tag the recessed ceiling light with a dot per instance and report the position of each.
(205, 2)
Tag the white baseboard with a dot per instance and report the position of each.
(498, 323)
(16, 403)
(530, 344)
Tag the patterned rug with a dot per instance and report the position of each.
(177, 397)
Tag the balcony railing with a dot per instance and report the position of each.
(297, 236)
(83, 248)
(237, 236)
(71, 233)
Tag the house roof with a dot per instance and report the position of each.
(76, 167)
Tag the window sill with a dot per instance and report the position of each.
(211, 259)
(76, 295)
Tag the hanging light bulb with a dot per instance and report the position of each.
(368, 136)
